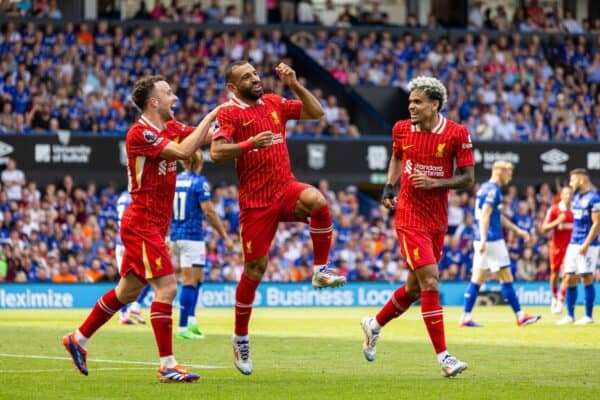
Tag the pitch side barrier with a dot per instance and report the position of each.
(362, 162)
(84, 295)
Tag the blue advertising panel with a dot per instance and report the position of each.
(67, 296)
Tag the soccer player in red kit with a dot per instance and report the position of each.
(153, 145)
(559, 219)
(252, 131)
(426, 150)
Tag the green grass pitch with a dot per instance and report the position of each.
(306, 354)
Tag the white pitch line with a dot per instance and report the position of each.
(37, 371)
(98, 360)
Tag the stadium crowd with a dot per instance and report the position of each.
(66, 232)
(501, 89)
(506, 88)
(72, 78)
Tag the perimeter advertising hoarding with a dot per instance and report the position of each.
(47, 158)
(68, 296)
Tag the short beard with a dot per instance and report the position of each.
(250, 95)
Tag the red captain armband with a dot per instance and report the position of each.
(246, 146)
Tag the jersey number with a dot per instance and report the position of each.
(179, 206)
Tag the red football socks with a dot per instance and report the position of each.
(244, 297)
(320, 233)
(433, 316)
(395, 306)
(104, 309)
(162, 325)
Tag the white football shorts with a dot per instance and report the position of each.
(576, 263)
(493, 259)
(191, 253)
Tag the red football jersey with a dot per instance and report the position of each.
(263, 173)
(562, 233)
(435, 154)
(151, 178)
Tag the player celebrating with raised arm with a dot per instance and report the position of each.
(252, 131)
(491, 253)
(560, 220)
(582, 253)
(152, 144)
(191, 204)
(426, 150)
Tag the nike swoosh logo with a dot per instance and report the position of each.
(407, 147)
(436, 322)
(246, 123)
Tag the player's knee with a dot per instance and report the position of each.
(429, 283)
(313, 199)
(256, 269)
(321, 214)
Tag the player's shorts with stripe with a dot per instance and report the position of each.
(576, 263)
(420, 246)
(493, 258)
(557, 258)
(119, 251)
(146, 254)
(191, 253)
(259, 225)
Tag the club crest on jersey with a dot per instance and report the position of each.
(416, 255)
(275, 117)
(440, 150)
(149, 136)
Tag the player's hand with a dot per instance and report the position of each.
(388, 197)
(422, 181)
(561, 217)
(524, 235)
(482, 247)
(229, 245)
(263, 139)
(286, 74)
(583, 250)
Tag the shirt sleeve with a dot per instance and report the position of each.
(396, 145)
(290, 109)
(464, 151)
(595, 203)
(145, 142)
(491, 197)
(202, 189)
(181, 129)
(226, 125)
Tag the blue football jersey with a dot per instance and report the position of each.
(190, 191)
(489, 193)
(122, 203)
(583, 206)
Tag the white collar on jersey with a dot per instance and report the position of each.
(438, 129)
(242, 104)
(144, 120)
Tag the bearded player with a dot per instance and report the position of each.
(560, 221)
(426, 150)
(153, 145)
(252, 131)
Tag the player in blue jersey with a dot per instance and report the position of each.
(582, 254)
(192, 203)
(491, 253)
(131, 314)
